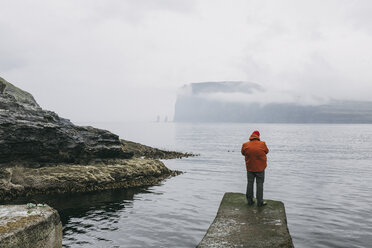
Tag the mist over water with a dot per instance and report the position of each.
(307, 61)
(119, 54)
(321, 172)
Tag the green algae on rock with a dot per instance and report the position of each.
(19, 95)
(140, 150)
(108, 174)
(240, 225)
(39, 227)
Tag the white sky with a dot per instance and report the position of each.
(123, 60)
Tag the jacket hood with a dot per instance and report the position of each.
(254, 136)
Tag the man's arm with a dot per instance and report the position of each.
(266, 149)
(243, 150)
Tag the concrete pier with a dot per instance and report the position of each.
(29, 226)
(240, 225)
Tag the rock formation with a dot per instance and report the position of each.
(30, 226)
(140, 150)
(42, 153)
(32, 136)
(69, 178)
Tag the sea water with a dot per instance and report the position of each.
(322, 173)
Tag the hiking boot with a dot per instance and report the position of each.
(261, 204)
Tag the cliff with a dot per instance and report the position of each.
(243, 102)
(32, 136)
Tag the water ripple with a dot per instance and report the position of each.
(323, 176)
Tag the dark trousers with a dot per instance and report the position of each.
(260, 178)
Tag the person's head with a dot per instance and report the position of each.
(255, 135)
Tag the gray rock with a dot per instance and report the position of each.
(70, 178)
(34, 137)
(140, 150)
(33, 227)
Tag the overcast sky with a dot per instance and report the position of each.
(123, 60)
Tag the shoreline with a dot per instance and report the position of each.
(113, 174)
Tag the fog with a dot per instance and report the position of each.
(123, 60)
(248, 92)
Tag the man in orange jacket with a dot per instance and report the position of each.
(255, 152)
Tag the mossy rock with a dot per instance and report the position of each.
(7, 88)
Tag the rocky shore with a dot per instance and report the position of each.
(69, 178)
(32, 227)
(35, 137)
(42, 153)
(140, 150)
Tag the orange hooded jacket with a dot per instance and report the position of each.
(255, 154)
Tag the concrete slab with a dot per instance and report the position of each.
(240, 225)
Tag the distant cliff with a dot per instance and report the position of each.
(207, 102)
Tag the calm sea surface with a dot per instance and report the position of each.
(322, 173)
